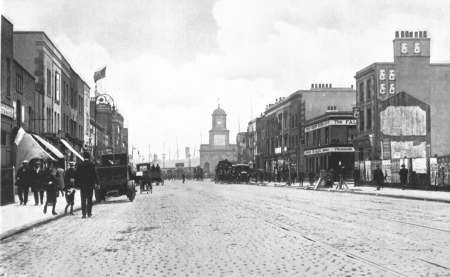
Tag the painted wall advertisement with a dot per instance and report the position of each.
(403, 121)
(409, 149)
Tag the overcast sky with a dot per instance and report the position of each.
(169, 61)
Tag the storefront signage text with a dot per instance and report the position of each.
(330, 123)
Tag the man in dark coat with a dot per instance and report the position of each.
(51, 187)
(23, 182)
(37, 180)
(378, 177)
(86, 179)
(403, 176)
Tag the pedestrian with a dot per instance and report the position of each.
(86, 179)
(51, 187)
(23, 182)
(403, 176)
(378, 177)
(60, 179)
(37, 180)
(183, 176)
(311, 176)
(69, 187)
(301, 176)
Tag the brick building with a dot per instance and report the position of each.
(329, 141)
(396, 129)
(280, 129)
(60, 87)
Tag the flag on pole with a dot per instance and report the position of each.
(100, 74)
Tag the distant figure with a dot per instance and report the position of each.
(311, 176)
(403, 176)
(23, 182)
(378, 177)
(183, 176)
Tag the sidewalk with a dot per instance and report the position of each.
(15, 218)
(425, 195)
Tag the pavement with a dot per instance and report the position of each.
(412, 194)
(15, 218)
(207, 229)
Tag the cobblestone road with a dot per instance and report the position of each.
(205, 229)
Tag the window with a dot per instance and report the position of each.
(369, 90)
(361, 121)
(8, 77)
(331, 108)
(3, 137)
(30, 118)
(19, 82)
(57, 87)
(49, 82)
(361, 92)
(327, 135)
(369, 119)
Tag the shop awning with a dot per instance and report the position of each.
(28, 149)
(50, 147)
(68, 146)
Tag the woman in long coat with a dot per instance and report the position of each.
(51, 187)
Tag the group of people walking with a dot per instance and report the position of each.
(51, 178)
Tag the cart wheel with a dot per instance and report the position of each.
(131, 194)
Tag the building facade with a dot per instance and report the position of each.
(219, 147)
(419, 83)
(329, 142)
(280, 130)
(241, 147)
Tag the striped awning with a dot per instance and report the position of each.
(68, 146)
(50, 147)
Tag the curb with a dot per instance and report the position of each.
(32, 225)
(390, 196)
(447, 201)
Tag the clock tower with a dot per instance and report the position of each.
(219, 135)
(218, 147)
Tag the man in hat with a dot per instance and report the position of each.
(37, 180)
(23, 182)
(403, 176)
(378, 177)
(86, 178)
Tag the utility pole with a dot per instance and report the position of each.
(178, 150)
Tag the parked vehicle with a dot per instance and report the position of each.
(115, 177)
(143, 178)
(224, 172)
(241, 173)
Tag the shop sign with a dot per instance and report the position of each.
(7, 111)
(328, 150)
(331, 122)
